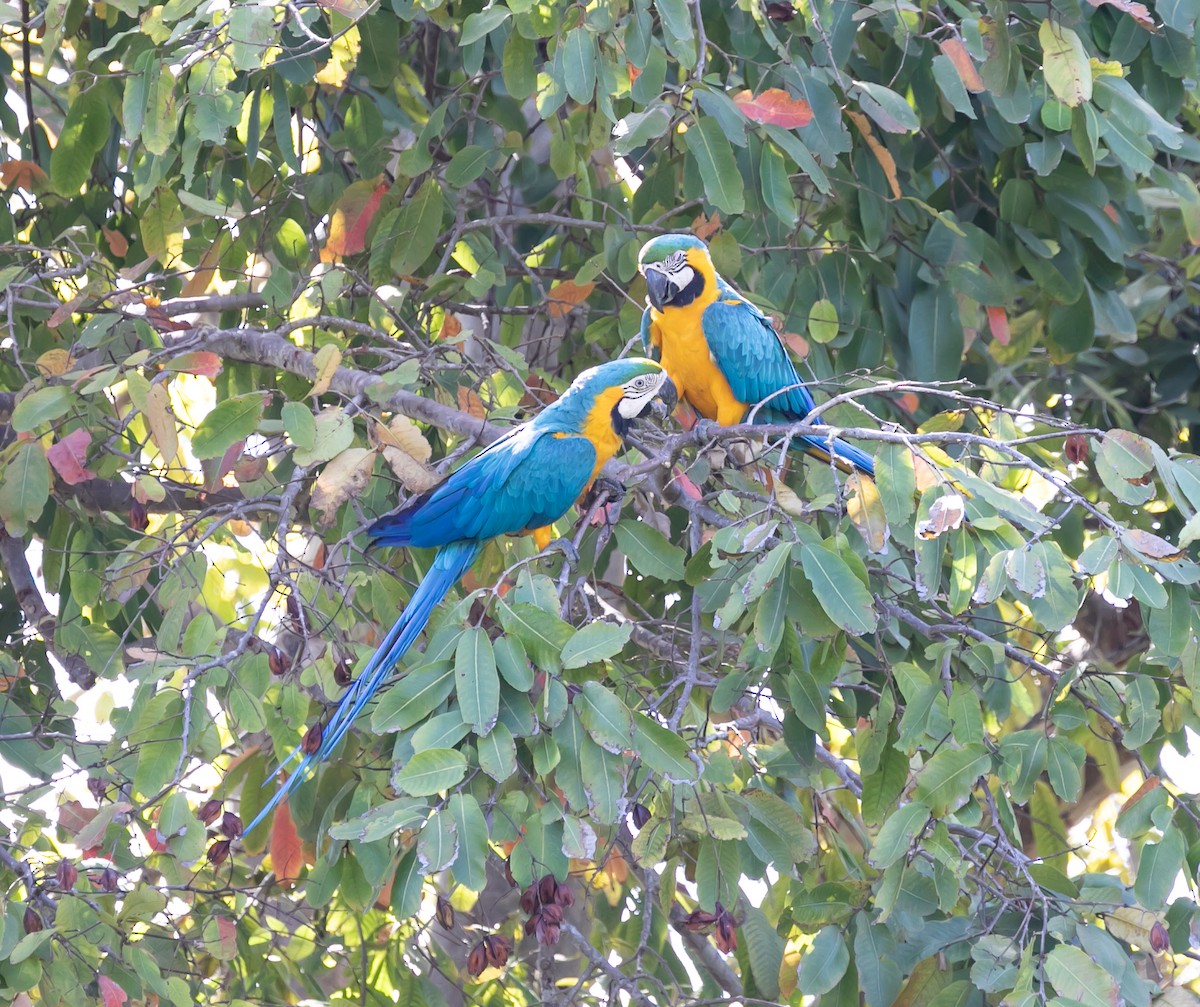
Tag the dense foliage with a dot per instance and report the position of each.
(271, 267)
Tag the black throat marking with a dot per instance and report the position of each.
(690, 292)
(620, 424)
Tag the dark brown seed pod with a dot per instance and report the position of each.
(508, 874)
(209, 811)
(547, 888)
(529, 900)
(312, 740)
(444, 912)
(218, 853)
(780, 11)
(726, 935)
(231, 825)
(342, 674)
(1160, 939)
(565, 896)
(97, 787)
(477, 959)
(65, 875)
(548, 933)
(277, 661)
(552, 913)
(139, 519)
(532, 923)
(641, 815)
(498, 949)
(33, 922)
(698, 920)
(107, 880)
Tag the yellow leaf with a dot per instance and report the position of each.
(327, 359)
(865, 509)
(52, 363)
(345, 476)
(788, 500)
(567, 295)
(404, 434)
(161, 422)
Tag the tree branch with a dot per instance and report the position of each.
(16, 568)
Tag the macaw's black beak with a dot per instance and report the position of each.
(658, 287)
(667, 399)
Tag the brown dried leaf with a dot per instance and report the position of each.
(416, 477)
(287, 853)
(1152, 546)
(964, 66)
(470, 402)
(1137, 11)
(562, 297)
(344, 477)
(202, 276)
(704, 227)
(945, 514)
(68, 457)
(118, 244)
(882, 154)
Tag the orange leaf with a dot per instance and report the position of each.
(118, 244)
(998, 322)
(451, 327)
(69, 455)
(775, 107)
(350, 218)
(567, 295)
(198, 283)
(956, 52)
(1137, 11)
(705, 227)
(22, 175)
(470, 402)
(634, 73)
(111, 995)
(909, 402)
(202, 363)
(796, 343)
(287, 855)
(882, 154)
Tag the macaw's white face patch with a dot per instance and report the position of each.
(638, 393)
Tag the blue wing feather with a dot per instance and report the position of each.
(525, 480)
(756, 364)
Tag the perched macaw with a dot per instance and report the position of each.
(523, 482)
(720, 350)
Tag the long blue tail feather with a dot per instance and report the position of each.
(854, 457)
(451, 562)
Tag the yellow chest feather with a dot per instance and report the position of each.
(688, 360)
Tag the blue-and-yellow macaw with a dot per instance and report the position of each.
(720, 350)
(524, 482)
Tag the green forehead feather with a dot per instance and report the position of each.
(657, 249)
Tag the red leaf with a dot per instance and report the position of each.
(998, 323)
(1137, 11)
(287, 855)
(964, 66)
(22, 175)
(202, 363)
(350, 219)
(68, 456)
(774, 107)
(227, 931)
(688, 488)
(111, 995)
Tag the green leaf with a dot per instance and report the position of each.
(497, 753)
(649, 551)
(437, 845)
(470, 869)
(431, 771)
(777, 186)
(842, 595)
(417, 226)
(947, 779)
(898, 833)
(24, 488)
(227, 423)
(890, 110)
(824, 964)
(935, 335)
(823, 321)
(604, 716)
(85, 130)
(42, 406)
(595, 642)
(579, 63)
(543, 634)
(882, 789)
(413, 698)
(1159, 865)
(1076, 977)
(874, 950)
(663, 750)
(476, 681)
(707, 143)
(467, 165)
(764, 949)
(897, 482)
(481, 23)
(1171, 627)
(513, 664)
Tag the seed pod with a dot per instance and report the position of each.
(444, 913)
(33, 922)
(548, 933)
(1160, 939)
(66, 874)
(529, 900)
(477, 959)
(552, 913)
(497, 949)
(107, 881)
(508, 874)
(138, 517)
(726, 935)
(312, 739)
(97, 787)
(565, 896)
(218, 853)
(547, 888)
(209, 811)
(276, 660)
(342, 674)
(532, 923)
(231, 825)
(1075, 447)
(641, 815)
